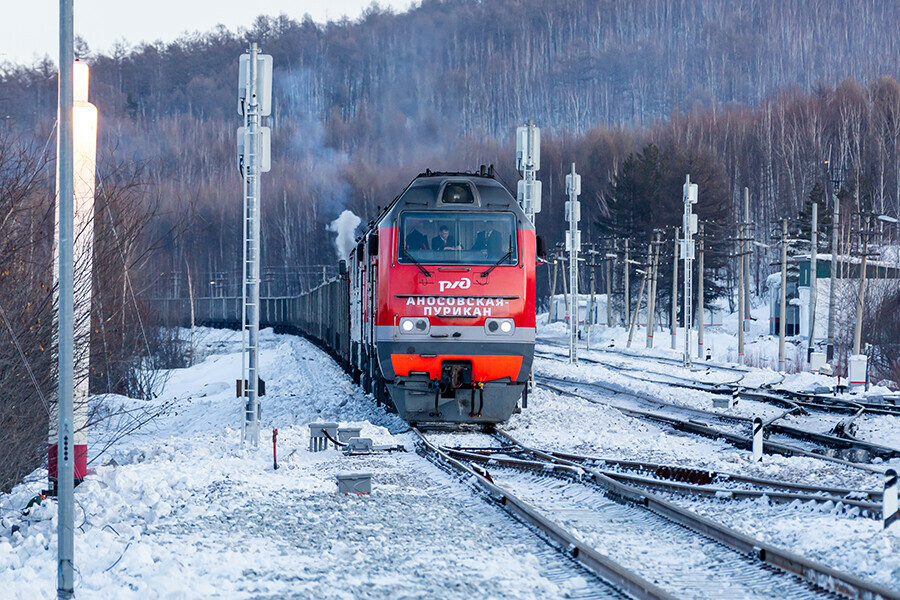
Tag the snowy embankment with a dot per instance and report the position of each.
(827, 534)
(180, 510)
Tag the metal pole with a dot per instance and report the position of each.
(251, 415)
(835, 227)
(857, 336)
(782, 317)
(700, 301)
(552, 312)
(627, 303)
(675, 289)
(65, 584)
(651, 310)
(741, 316)
(590, 313)
(813, 266)
(690, 198)
(573, 266)
(746, 259)
(609, 272)
(637, 307)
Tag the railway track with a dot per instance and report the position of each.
(640, 543)
(841, 436)
(763, 393)
(700, 483)
(782, 439)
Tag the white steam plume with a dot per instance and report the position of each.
(345, 227)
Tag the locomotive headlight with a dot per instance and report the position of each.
(413, 325)
(499, 326)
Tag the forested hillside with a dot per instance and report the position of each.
(755, 93)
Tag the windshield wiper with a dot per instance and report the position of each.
(497, 264)
(425, 271)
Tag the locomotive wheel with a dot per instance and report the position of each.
(386, 396)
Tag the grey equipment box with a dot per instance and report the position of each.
(359, 446)
(317, 438)
(345, 433)
(354, 483)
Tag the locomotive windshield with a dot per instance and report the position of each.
(457, 238)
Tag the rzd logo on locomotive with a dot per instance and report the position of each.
(463, 284)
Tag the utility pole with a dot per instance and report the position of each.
(700, 300)
(552, 312)
(835, 228)
(746, 259)
(637, 307)
(813, 266)
(610, 257)
(65, 583)
(573, 243)
(783, 313)
(254, 102)
(857, 336)
(674, 321)
(651, 302)
(742, 318)
(590, 311)
(627, 298)
(690, 228)
(528, 162)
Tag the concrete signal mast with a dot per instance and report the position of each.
(528, 163)
(254, 158)
(573, 244)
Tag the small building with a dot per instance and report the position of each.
(799, 291)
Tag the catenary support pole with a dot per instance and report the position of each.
(689, 227)
(637, 307)
(700, 301)
(552, 314)
(746, 259)
(674, 320)
(627, 293)
(65, 585)
(651, 302)
(813, 267)
(610, 257)
(741, 319)
(573, 241)
(861, 301)
(835, 265)
(782, 315)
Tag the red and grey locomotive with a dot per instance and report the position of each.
(442, 301)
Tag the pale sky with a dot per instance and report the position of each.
(29, 28)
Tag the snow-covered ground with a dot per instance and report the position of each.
(181, 510)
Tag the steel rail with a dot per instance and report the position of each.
(691, 426)
(605, 568)
(824, 439)
(820, 575)
(872, 509)
(678, 473)
(677, 481)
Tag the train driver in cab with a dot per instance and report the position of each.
(444, 241)
(489, 242)
(415, 239)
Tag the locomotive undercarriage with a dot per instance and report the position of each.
(420, 399)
